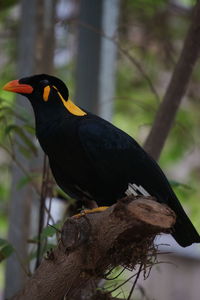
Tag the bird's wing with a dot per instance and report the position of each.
(113, 153)
(103, 143)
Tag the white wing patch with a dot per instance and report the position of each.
(135, 190)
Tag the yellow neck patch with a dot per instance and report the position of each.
(71, 107)
(46, 93)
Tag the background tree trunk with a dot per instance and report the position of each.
(96, 56)
(36, 53)
(176, 89)
(21, 199)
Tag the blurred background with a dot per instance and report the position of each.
(116, 57)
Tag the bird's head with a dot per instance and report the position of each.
(44, 90)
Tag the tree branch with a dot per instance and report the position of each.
(176, 89)
(90, 245)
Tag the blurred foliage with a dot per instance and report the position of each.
(6, 249)
(50, 236)
(152, 31)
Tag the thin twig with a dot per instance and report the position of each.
(120, 285)
(135, 281)
(42, 207)
(27, 272)
(18, 164)
(116, 275)
(126, 53)
(140, 68)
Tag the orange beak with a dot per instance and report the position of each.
(16, 87)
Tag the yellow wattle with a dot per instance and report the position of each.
(46, 93)
(71, 107)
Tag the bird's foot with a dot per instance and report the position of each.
(90, 211)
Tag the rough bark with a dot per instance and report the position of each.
(90, 245)
(22, 199)
(176, 89)
(36, 48)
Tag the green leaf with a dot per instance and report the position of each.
(25, 180)
(24, 150)
(30, 129)
(33, 254)
(3, 242)
(6, 251)
(175, 183)
(24, 137)
(2, 119)
(48, 231)
(8, 110)
(8, 3)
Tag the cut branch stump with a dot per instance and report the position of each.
(92, 244)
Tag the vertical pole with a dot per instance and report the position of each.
(88, 58)
(108, 58)
(21, 198)
(36, 53)
(96, 58)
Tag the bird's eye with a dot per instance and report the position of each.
(44, 83)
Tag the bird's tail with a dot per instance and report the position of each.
(184, 231)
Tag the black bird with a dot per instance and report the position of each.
(92, 159)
